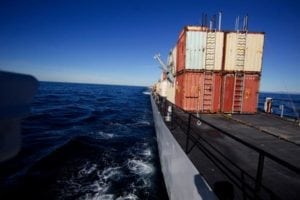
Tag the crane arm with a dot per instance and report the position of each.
(163, 65)
(165, 68)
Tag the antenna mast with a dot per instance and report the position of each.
(220, 21)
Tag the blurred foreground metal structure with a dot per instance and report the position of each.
(16, 94)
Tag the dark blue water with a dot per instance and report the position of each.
(291, 103)
(86, 142)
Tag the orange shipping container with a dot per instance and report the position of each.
(240, 93)
(198, 91)
(180, 60)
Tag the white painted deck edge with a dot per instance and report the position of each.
(182, 179)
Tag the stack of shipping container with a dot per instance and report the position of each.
(217, 71)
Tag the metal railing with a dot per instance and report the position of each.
(241, 179)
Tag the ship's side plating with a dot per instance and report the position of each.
(182, 179)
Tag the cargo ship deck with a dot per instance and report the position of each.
(257, 154)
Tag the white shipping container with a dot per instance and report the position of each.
(254, 52)
(171, 91)
(230, 51)
(195, 50)
(219, 50)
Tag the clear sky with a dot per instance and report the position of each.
(113, 41)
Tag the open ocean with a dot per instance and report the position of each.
(291, 103)
(86, 141)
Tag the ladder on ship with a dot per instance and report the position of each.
(239, 77)
(208, 79)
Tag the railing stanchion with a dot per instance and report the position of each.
(243, 185)
(188, 133)
(172, 116)
(259, 173)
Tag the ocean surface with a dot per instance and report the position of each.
(291, 103)
(86, 142)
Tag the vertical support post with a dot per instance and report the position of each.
(243, 185)
(220, 21)
(165, 107)
(172, 116)
(160, 104)
(282, 109)
(210, 25)
(188, 133)
(259, 173)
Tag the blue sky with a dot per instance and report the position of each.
(113, 41)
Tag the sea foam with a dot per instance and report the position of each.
(139, 167)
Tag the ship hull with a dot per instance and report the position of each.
(182, 179)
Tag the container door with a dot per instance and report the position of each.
(217, 92)
(179, 91)
(191, 91)
(251, 93)
(228, 88)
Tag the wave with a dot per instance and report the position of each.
(142, 183)
(105, 135)
(130, 122)
(146, 152)
(113, 173)
(63, 115)
(128, 197)
(139, 167)
(142, 123)
(87, 169)
(102, 197)
(86, 142)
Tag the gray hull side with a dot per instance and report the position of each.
(182, 179)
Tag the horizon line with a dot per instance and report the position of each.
(119, 84)
(89, 83)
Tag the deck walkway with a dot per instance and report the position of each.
(273, 125)
(284, 146)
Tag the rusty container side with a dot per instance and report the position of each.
(217, 93)
(191, 97)
(228, 90)
(189, 91)
(251, 91)
(180, 52)
(179, 90)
